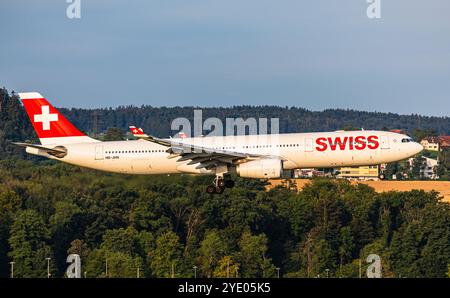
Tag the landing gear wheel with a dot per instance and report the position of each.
(219, 185)
(382, 176)
(211, 189)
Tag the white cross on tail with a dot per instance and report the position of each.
(45, 117)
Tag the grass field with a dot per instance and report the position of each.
(443, 187)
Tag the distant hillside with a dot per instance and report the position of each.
(14, 125)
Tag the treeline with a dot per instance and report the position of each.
(157, 120)
(167, 225)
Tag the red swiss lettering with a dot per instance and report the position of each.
(337, 142)
(321, 144)
(360, 142)
(373, 142)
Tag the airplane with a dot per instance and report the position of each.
(252, 156)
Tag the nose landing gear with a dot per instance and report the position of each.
(220, 183)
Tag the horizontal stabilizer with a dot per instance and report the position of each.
(58, 151)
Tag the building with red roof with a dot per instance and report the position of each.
(436, 143)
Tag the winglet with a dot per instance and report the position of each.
(138, 132)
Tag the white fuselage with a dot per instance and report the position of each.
(297, 150)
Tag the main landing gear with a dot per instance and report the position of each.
(220, 183)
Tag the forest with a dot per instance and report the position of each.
(167, 226)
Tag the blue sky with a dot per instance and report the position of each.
(315, 54)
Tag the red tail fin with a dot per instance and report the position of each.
(50, 125)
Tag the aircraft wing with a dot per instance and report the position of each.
(207, 157)
(203, 156)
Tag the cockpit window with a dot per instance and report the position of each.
(406, 140)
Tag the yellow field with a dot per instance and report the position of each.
(443, 187)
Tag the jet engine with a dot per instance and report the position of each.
(261, 168)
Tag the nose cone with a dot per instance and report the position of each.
(416, 148)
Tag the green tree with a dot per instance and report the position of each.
(444, 164)
(114, 134)
(435, 254)
(391, 170)
(64, 211)
(417, 165)
(166, 259)
(226, 267)
(378, 247)
(420, 134)
(14, 126)
(10, 203)
(405, 251)
(148, 213)
(28, 245)
(350, 270)
(112, 264)
(324, 258)
(212, 249)
(122, 240)
(252, 256)
(80, 248)
(346, 246)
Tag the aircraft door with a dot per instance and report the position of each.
(384, 142)
(99, 152)
(308, 145)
